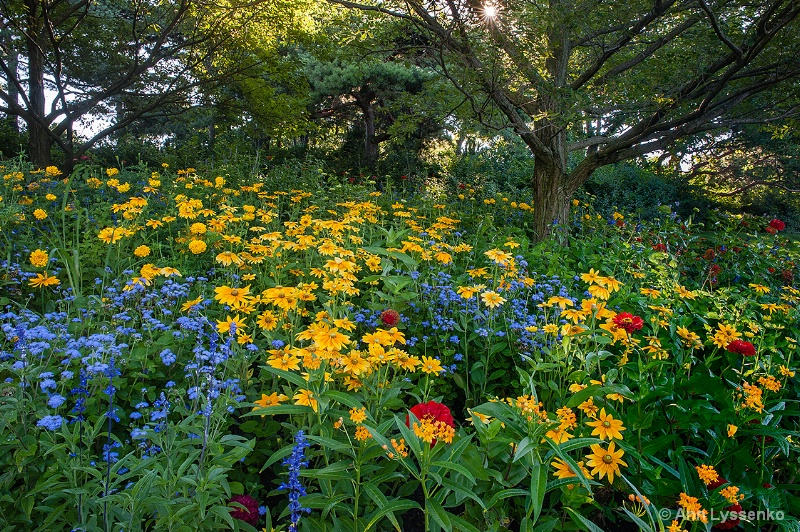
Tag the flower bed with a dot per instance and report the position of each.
(179, 352)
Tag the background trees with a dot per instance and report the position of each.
(581, 85)
(114, 63)
(589, 83)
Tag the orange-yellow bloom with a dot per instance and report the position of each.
(606, 427)
(606, 462)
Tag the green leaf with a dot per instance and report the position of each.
(394, 506)
(439, 514)
(462, 492)
(525, 446)
(505, 494)
(455, 467)
(380, 501)
(643, 527)
(463, 524)
(538, 488)
(335, 471)
(583, 395)
(279, 455)
(581, 520)
(343, 398)
(294, 378)
(278, 410)
(332, 444)
(558, 451)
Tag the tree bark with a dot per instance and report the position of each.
(39, 140)
(550, 198)
(551, 185)
(13, 63)
(370, 146)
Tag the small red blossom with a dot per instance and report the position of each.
(714, 269)
(249, 514)
(717, 483)
(629, 322)
(776, 224)
(660, 247)
(403, 177)
(742, 347)
(770, 230)
(733, 512)
(390, 317)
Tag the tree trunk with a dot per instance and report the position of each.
(370, 145)
(39, 141)
(13, 62)
(552, 189)
(550, 198)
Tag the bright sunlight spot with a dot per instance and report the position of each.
(490, 11)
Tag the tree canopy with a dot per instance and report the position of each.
(121, 61)
(589, 83)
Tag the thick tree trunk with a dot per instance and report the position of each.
(550, 198)
(552, 189)
(39, 141)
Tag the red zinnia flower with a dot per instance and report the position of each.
(629, 322)
(660, 247)
(776, 224)
(432, 411)
(741, 347)
(250, 512)
(390, 317)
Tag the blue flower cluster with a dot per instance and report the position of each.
(447, 319)
(295, 462)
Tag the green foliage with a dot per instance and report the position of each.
(506, 166)
(634, 189)
(175, 363)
